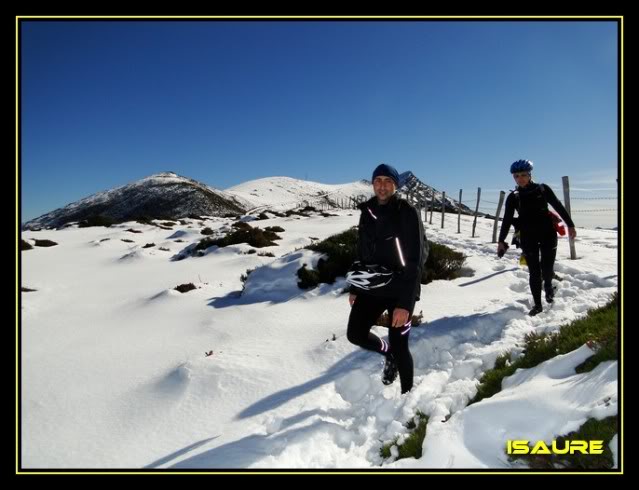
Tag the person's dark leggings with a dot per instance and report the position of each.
(533, 243)
(364, 313)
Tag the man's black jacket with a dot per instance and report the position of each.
(392, 235)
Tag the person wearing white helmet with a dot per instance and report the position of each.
(386, 275)
(537, 231)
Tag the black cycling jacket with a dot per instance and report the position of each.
(531, 203)
(392, 235)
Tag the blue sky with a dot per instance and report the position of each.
(104, 103)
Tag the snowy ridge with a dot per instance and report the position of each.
(170, 196)
(411, 185)
(280, 193)
(165, 195)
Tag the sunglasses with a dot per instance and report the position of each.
(521, 174)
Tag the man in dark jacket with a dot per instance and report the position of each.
(538, 234)
(391, 235)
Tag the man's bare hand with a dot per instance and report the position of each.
(400, 317)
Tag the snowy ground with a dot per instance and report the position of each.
(114, 371)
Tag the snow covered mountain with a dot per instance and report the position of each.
(170, 196)
(285, 192)
(165, 195)
(412, 188)
(279, 193)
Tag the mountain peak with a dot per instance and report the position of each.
(417, 191)
(167, 174)
(406, 177)
(165, 195)
(164, 176)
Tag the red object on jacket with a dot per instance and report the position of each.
(557, 223)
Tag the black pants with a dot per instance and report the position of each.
(364, 313)
(535, 242)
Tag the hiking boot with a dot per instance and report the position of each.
(550, 295)
(390, 370)
(535, 310)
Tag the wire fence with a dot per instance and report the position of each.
(594, 198)
(490, 207)
(484, 207)
(437, 207)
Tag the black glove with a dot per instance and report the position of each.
(501, 249)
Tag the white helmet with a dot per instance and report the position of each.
(369, 276)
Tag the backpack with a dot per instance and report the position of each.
(425, 251)
(425, 244)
